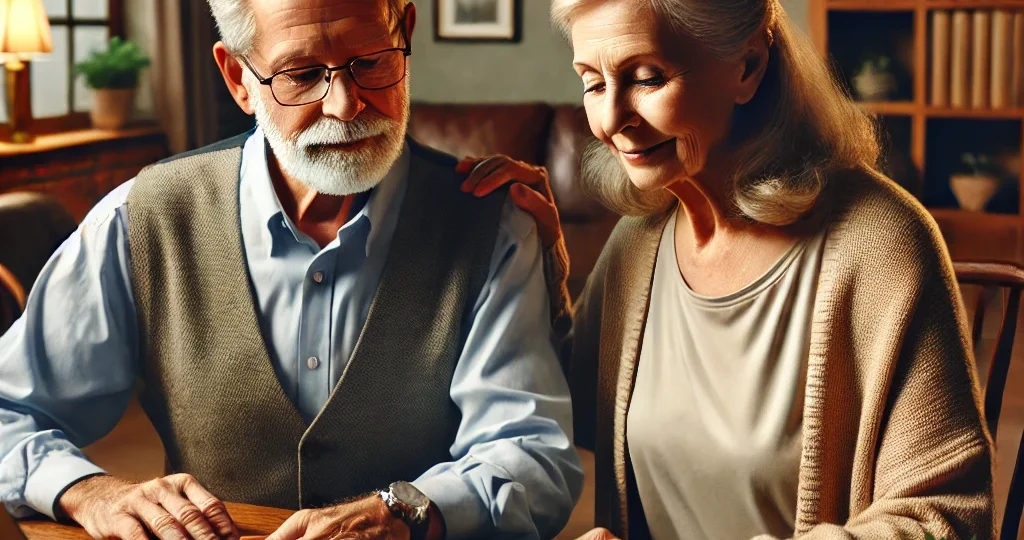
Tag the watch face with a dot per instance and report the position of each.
(410, 495)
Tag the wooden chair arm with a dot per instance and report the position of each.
(11, 283)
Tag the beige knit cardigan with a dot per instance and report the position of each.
(894, 439)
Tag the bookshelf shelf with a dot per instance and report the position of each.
(937, 112)
(910, 5)
(983, 114)
(872, 5)
(891, 108)
(973, 4)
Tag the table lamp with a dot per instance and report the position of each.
(24, 33)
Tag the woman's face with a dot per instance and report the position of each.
(662, 103)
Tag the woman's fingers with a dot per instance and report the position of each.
(544, 212)
(466, 165)
(480, 170)
(483, 168)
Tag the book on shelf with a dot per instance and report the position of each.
(960, 60)
(940, 58)
(980, 60)
(1017, 72)
(1002, 60)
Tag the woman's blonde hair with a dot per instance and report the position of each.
(800, 127)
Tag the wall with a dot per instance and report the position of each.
(536, 69)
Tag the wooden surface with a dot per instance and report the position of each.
(59, 141)
(259, 521)
(251, 520)
(78, 168)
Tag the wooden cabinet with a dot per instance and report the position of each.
(78, 168)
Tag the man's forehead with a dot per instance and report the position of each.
(356, 23)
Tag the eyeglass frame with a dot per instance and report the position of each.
(329, 75)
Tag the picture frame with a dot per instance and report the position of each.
(478, 21)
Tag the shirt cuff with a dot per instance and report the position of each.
(460, 505)
(53, 476)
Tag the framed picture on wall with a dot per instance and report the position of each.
(477, 20)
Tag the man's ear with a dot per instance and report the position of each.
(232, 71)
(410, 21)
(752, 69)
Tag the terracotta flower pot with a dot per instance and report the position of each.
(112, 109)
(973, 191)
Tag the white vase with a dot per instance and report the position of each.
(112, 109)
(873, 85)
(973, 191)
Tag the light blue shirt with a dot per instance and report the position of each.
(69, 365)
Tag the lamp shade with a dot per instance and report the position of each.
(24, 28)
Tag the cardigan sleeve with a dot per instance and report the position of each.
(933, 465)
(581, 352)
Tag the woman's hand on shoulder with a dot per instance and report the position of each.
(530, 190)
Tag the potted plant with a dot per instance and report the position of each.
(113, 75)
(976, 181)
(874, 81)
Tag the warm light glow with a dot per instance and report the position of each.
(24, 28)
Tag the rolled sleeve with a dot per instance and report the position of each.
(56, 469)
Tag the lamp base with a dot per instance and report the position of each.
(22, 137)
(19, 106)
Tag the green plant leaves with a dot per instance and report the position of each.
(117, 67)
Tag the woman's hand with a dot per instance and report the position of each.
(598, 534)
(490, 173)
(530, 191)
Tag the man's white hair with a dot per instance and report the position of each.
(237, 23)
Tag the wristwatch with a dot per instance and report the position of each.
(410, 505)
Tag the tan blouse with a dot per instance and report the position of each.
(713, 429)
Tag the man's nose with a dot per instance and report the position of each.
(342, 100)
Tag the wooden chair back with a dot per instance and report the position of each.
(12, 299)
(1009, 279)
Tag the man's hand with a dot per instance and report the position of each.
(598, 534)
(363, 519)
(175, 507)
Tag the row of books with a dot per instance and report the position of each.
(977, 59)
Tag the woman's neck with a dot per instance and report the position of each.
(717, 252)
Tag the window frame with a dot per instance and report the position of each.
(114, 23)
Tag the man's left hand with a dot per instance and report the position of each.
(363, 519)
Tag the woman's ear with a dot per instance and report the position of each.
(753, 65)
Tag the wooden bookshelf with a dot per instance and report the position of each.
(915, 107)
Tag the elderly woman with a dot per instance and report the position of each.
(772, 343)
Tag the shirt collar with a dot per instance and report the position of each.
(256, 176)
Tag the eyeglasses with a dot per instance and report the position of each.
(305, 85)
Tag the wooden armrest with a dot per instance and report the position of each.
(11, 283)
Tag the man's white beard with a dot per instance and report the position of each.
(331, 171)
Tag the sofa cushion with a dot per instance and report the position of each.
(569, 134)
(516, 130)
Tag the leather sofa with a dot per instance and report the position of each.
(536, 133)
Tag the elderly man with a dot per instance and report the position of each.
(319, 317)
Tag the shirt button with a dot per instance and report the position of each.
(312, 362)
(318, 276)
